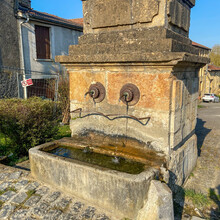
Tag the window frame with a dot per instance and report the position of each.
(48, 55)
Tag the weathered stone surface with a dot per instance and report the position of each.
(102, 217)
(68, 216)
(89, 213)
(121, 12)
(9, 52)
(19, 185)
(62, 203)
(35, 208)
(179, 15)
(42, 191)
(32, 186)
(76, 207)
(19, 198)
(140, 35)
(19, 214)
(52, 214)
(32, 201)
(159, 204)
(15, 175)
(183, 161)
(7, 195)
(5, 185)
(196, 218)
(52, 197)
(113, 15)
(3, 176)
(6, 211)
(120, 195)
(41, 209)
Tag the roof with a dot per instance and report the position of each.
(200, 46)
(77, 20)
(212, 67)
(49, 18)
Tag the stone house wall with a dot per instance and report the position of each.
(9, 43)
(213, 82)
(9, 49)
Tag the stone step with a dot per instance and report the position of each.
(129, 46)
(138, 34)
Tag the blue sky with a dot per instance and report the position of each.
(205, 17)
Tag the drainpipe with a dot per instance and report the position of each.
(22, 64)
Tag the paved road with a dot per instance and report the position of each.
(207, 172)
(210, 114)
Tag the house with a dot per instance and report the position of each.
(29, 42)
(209, 75)
(213, 80)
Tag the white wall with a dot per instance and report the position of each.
(60, 39)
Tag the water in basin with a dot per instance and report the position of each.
(102, 160)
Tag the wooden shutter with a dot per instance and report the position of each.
(42, 42)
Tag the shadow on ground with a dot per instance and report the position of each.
(201, 132)
(215, 197)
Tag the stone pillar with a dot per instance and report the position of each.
(144, 43)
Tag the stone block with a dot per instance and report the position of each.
(144, 10)
(160, 204)
(176, 121)
(15, 175)
(179, 15)
(32, 201)
(80, 82)
(119, 12)
(7, 195)
(183, 160)
(6, 211)
(177, 95)
(20, 198)
(20, 214)
(154, 89)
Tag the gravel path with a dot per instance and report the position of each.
(206, 175)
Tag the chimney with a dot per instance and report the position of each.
(25, 3)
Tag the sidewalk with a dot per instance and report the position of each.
(22, 198)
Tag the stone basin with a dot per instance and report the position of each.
(118, 192)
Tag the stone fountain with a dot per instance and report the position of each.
(133, 93)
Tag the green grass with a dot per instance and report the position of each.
(15, 160)
(30, 192)
(64, 131)
(11, 189)
(198, 199)
(201, 106)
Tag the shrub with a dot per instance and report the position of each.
(28, 122)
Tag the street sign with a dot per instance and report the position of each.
(27, 82)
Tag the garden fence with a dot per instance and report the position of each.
(19, 83)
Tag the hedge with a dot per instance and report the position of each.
(28, 123)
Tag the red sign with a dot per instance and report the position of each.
(27, 82)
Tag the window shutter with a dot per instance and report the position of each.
(42, 42)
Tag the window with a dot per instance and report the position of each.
(42, 35)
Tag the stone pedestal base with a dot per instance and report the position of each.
(183, 161)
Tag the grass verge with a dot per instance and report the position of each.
(198, 199)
